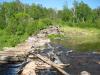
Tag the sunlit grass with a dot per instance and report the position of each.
(80, 39)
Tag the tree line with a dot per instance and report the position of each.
(18, 20)
(81, 15)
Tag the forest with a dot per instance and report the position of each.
(19, 20)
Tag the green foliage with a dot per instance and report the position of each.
(18, 20)
(97, 21)
(65, 14)
(83, 12)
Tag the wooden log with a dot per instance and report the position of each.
(63, 65)
(43, 66)
(11, 55)
(46, 66)
(1, 62)
(52, 64)
(29, 69)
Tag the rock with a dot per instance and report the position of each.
(42, 42)
(31, 39)
(85, 73)
(41, 35)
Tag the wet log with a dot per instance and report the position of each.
(12, 56)
(29, 69)
(46, 66)
(46, 60)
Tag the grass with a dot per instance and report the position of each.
(80, 39)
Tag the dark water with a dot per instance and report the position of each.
(78, 44)
(79, 61)
(48, 72)
(11, 68)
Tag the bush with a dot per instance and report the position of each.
(43, 23)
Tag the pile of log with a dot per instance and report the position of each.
(33, 66)
(45, 63)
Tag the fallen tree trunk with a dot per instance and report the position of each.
(29, 69)
(52, 64)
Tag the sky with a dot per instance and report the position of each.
(58, 4)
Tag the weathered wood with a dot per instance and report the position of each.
(46, 66)
(42, 66)
(63, 65)
(12, 55)
(52, 64)
(29, 69)
(3, 61)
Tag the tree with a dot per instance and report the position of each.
(74, 11)
(83, 12)
(65, 14)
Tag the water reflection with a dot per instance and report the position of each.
(78, 44)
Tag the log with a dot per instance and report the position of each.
(29, 69)
(43, 66)
(12, 56)
(62, 65)
(47, 66)
(46, 60)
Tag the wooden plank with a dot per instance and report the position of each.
(52, 64)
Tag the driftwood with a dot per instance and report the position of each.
(52, 64)
(29, 69)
